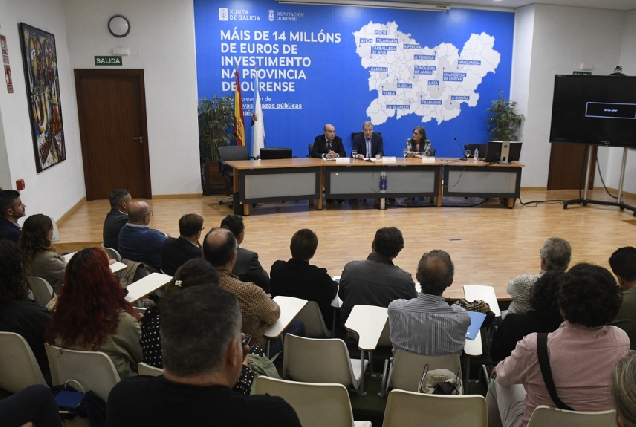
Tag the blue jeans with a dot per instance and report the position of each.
(296, 327)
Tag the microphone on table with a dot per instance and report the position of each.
(463, 158)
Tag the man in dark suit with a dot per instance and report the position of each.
(297, 278)
(328, 145)
(376, 280)
(120, 200)
(175, 252)
(248, 268)
(368, 143)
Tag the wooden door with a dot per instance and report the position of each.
(568, 163)
(112, 118)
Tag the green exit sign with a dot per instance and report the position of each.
(108, 61)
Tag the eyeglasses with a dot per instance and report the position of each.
(149, 213)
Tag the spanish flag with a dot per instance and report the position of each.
(239, 127)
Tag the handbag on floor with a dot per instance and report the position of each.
(439, 381)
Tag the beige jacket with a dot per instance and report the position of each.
(123, 347)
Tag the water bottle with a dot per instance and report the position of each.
(406, 150)
(476, 155)
(383, 183)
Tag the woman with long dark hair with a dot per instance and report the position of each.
(418, 142)
(17, 313)
(38, 256)
(92, 314)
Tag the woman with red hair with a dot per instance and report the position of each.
(92, 314)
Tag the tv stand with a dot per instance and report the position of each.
(584, 201)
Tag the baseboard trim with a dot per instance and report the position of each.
(70, 212)
(178, 196)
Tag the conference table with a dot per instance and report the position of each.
(257, 181)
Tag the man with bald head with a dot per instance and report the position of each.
(328, 145)
(137, 241)
(368, 144)
(257, 309)
(426, 324)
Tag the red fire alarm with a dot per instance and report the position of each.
(20, 184)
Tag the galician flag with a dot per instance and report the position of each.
(258, 127)
(239, 126)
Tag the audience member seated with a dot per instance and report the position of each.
(137, 241)
(177, 251)
(623, 264)
(543, 317)
(92, 314)
(376, 280)
(555, 254)
(34, 406)
(297, 278)
(427, 325)
(202, 354)
(194, 272)
(247, 268)
(624, 391)
(17, 313)
(258, 310)
(117, 217)
(11, 210)
(37, 253)
(582, 353)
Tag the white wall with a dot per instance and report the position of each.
(521, 64)
(563, 38)
(58, 188)
(162, 40)
(615, 155)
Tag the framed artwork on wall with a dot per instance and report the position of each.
(43, 96)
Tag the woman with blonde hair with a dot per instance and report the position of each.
(92, 313)
(39, 258)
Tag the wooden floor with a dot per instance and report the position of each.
(487, 243)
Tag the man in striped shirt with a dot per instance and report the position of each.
(426, 324)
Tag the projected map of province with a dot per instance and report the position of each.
(413, 79)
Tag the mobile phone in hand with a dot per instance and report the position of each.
(247, 339)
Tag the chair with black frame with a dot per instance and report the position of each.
(311, 147)
(233, 152)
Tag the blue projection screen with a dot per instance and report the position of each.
(344, 65)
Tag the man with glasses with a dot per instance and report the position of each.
(328, 145)
(137, 241)
(177, 251)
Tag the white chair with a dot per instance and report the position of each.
(317, 405)
(406, 369)
(545, 416)
(42, 291)
(92, 369)
(311, 316)
(410, 409)
(145, 369)
(320, 361)
(18, 366)
(112, 253)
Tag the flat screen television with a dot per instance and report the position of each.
(594, 110)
